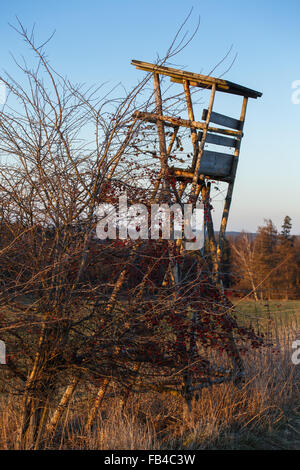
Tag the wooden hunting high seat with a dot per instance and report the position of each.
(189, 184)
(214, 128)
(217, 165)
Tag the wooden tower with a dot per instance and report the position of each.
(205, 165)
(193, 183)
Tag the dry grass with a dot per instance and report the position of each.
(263, 414)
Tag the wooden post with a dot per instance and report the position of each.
(191, 118)
(161, 134)
(205, 163)
(210, 226)
(230, 188)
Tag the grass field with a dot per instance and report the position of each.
(279, 310)
(264, 413)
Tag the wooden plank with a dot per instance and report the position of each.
(200, 80)
(212, 164)
(222, 120)
(218, 140)
(207, 86)
(219, 130)
(215, 163)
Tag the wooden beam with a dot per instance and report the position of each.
(197, 167)
(181, 174)
(191, 118)
(178, 122)
(172, 140)
(168, 120)
(205, 193)
(218, 130)
(187, 176)
(230, 188)
(206, 85)
(161, 133)
(222, 120)
(218, 140)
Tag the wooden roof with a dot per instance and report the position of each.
(195, 79)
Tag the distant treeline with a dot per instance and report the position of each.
(266, 265)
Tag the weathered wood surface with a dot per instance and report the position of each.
(181, 174)
(196, 168)
(177, 122)
(215, 163)
(187, 176)
(160, 130)
(194, 134)
(208, 86)
(230, 187)
(218, 140)
(223, 120)
(196, 79)
(168, 120)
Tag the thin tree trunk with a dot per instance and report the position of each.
(69, 392)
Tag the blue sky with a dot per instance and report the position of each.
(96, 40)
